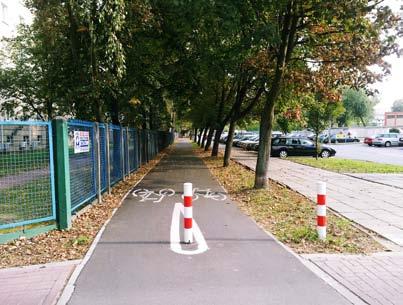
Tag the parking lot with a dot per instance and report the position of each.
(388, 155)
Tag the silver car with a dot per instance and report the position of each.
(386, 139)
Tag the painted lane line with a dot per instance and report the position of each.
(176, 245)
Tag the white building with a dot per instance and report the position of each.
(12, 14)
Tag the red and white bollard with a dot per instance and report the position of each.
(321, 210)
(188, 213)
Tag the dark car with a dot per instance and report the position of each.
(334, 139)
(283, 147)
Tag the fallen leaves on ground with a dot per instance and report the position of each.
(287, 214)
(70, 244)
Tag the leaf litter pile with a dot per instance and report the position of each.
(70, 244)
(288, 215)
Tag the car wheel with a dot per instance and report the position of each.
(387, 144)
(369, 144)
(283, 154)
(325, 154)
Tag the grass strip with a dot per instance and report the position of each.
(16, 162)
(349, 166)
(288, 215)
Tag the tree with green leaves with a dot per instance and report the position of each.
(359, 107)
(397, 106)
(318, 45)
(320, 114)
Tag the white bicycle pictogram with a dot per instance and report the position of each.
(208, 194)
(147, 195)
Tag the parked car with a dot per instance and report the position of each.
(223, 139)
(401, 141)
(369, 140)
(302, 134)
(245, 144)
(386, 139)
(294, 146)
(335, 139)
(236, 142)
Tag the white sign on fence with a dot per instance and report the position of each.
(81, 141)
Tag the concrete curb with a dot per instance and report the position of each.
(41, 266)
(372, 181)
(70, 286)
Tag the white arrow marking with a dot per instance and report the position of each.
(175, 234)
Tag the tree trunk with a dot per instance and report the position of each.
(218, 133)
(363, 122)
(209, 138)
(195, 136)
(204, 136)
(200, 136)
(49, 109)
(114, 109)
(228, 144)
(262, 163)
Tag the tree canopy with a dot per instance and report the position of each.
(397, 106)
(208, 64)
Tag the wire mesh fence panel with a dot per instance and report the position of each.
(136, 150)
(151, 137)
(26, 173)
(132, 149)
(147, 145)
(102, 149)
(82, 162)
(126, 151)
(115, 153)
(138, 147)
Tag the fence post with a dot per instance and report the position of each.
(98, 150)
(108, 162)
(122, 154)
(127, 151)
(62, 173)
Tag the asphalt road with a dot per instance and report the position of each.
(388, 155)
(133, 262)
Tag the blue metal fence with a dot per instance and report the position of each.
(103, 155)
(131, 140)
(83, 184)
(27, 187)
(115, 153)
(97, 154)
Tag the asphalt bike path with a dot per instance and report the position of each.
(139, 261)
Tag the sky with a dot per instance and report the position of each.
(391, 87)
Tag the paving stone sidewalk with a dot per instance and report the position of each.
(395, 180)
(376, 279)
(34, 285)
(374, 206)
